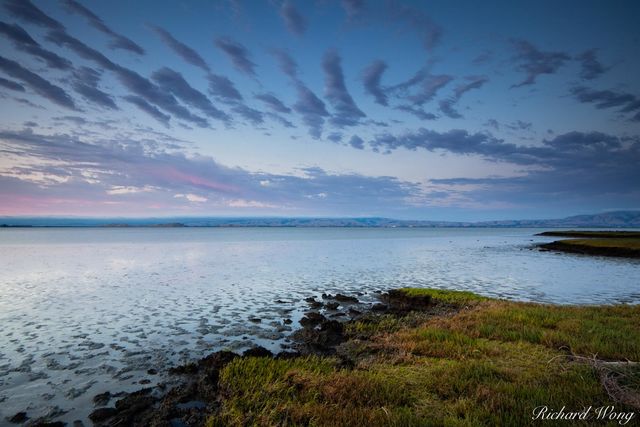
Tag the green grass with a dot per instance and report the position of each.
(488, 364)
(443, 295)
(608, 332)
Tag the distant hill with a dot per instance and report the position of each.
(620, 219)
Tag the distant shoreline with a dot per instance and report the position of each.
(32, 226)
(614, 220)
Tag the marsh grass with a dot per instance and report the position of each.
(626, 243)
(490, 363)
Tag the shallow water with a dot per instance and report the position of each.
(83, 311)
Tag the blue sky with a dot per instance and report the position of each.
(438, 110)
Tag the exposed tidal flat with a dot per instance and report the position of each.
(91, 311)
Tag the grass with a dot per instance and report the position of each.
(601, 234)
(626, 243)
(489, 363)
(445, 296)
(619, 244)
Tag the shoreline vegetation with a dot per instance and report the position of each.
(417, 357)
(624, 244)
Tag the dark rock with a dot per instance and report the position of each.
(257, 352)
(322, 340)
(310, 299)
(188, 368)
(102, 399)
(102, 414)
(346, 298)
(279, 301)
(315, 304)
(332, 305)
(312, 319)
(354, 312)
(379, 307)
(78, 423)
(152, 372)
(18, 418)
(48, 424)
(339, 314)
(287, 321)
(255, 319)
(144, 381)
(327, 296)
(399, 303)
(135, 402)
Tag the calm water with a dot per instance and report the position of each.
(83, 311)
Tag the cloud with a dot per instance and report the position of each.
(534, 62)
(356, 142)
(84, 172)
(579, 169)
(353, 8)
(447, 106)
(457, 141)
(575, 165)
(184, 51)
(119, 189)
(241, 203)
(294, 22)
(404, 86)
(119, 41)
(252, 115)
(42, 87)
(419, 89)
(371, 77)
(85, 82)
(141, 87)
(223, 88)
(237, 54)
(273, 103)
(25, 10)
(492, 123)
(591, 67)
(284, 122)
(10, 84)
(286, 63)
(347, 112)
(429, 31)
(418, 112)
(62, 38)
(192, 197)
(604, 99)
(173, 82)
(519, 125)
(581, 150)
(148, 108)
(155, 95)
(24, 42)
(429, 89)
(312, 110)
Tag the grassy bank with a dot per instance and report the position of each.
(457, 359)
(627, 247)
(594, 234)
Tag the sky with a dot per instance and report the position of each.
(440, 110)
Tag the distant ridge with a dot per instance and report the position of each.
(619, 219)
